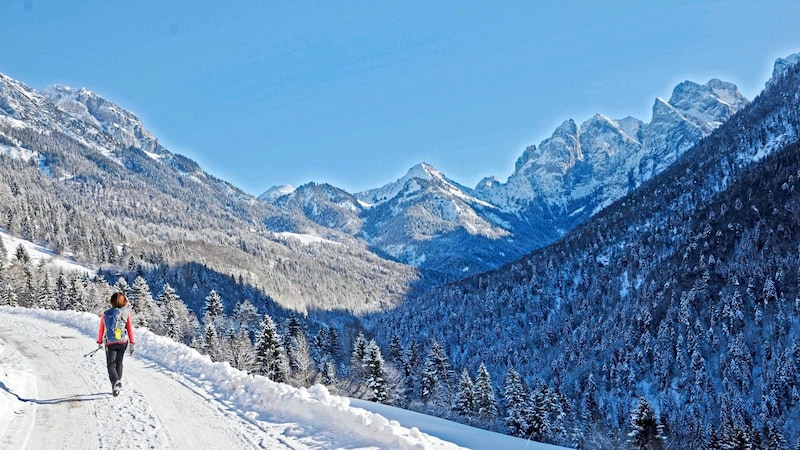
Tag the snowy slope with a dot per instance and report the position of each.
(173, 397)
(39, 254)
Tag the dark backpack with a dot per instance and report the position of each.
(115, 319)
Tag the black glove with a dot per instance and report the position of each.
(132, 349)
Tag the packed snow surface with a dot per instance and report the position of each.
(54, 395)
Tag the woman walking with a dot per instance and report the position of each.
(116, 331)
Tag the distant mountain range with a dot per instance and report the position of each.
(431, 222)
(96, 159)
(83, 176)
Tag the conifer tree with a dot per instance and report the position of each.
(176, 316)
(60, 290)
(435, 382)
(212, 344)
(294, 327)
(334, 345)
(537, 414)
(357, 356)
(21, 255)
(301, 363)
(646, 432)
(122, 286)
(516, 400)
(75, 300)
(270, 357)
(329, 373)
(485, 401)
(45, 296)
(319, 346)
(245, 315)
(145, 311)
(375, 373)
(464, 403)
(395, 353)
(213, 309)
(774, 438)
(7, 295)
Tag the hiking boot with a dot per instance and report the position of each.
(117, 386)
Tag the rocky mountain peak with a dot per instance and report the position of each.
(782, 65)
(121, 124)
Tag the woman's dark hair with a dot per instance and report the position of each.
(118, 300)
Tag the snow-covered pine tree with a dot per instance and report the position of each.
(319, 348)
(515, 401)
(145, 311)
(537, 413)
(122, 286)
(774, 438)
(334, 343)
(176, 323)
(303, 372)
(357, 356)
(45, 296)
(75, 296)
(212, 344)
(21, 255)
(464, 403)
(7, 295)
(329, 374)
(375, 373)
(245, 315)
(294, 326)
(435, 382)
(60, 290)
(410, 374)
(395, 353)
(213, 308)
(270, 357)
(485, 400)
(646, 432)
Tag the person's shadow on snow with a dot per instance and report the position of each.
(55, 401)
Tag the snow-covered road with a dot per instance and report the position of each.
(55, 397)
(70, 404)
(52, 396)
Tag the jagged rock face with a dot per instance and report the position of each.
(581, 169)
(432, 222)
(89, 107)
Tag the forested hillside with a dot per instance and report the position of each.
(86, 180)
(679, 301)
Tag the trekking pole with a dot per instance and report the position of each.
(92, 352)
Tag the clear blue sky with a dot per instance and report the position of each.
(354, 93)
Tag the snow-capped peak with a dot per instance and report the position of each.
(118, 122)
(276, 192)
(782, 65)
(422, 171)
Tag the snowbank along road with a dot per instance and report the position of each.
(52, 396)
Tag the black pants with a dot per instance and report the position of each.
(114, 354)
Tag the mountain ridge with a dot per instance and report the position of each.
(127, 203)
(577, 171)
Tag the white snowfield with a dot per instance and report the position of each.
(52, 396)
